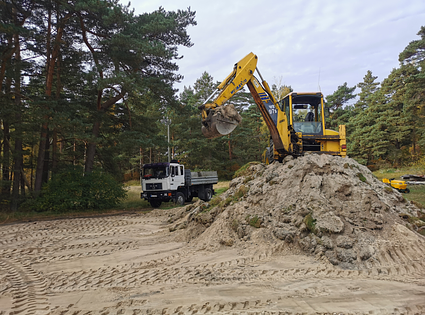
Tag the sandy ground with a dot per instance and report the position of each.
(133, 264)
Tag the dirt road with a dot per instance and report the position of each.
(133, 264)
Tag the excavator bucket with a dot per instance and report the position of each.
(220, 121)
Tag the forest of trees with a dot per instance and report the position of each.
(85, 85)
(386, 123)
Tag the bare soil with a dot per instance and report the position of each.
(309, 236)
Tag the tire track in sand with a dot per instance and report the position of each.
(28, 288)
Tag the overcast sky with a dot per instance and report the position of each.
(310, 45)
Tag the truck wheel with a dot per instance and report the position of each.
(208, 194)
(179, 200)
(155, 203)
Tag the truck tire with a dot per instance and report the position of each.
(155, 203)
(208, 194)
(179, 200)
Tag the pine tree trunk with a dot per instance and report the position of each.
(46, 168)
(39, 170)
(91, 148)
(5, 189)
(17, 174)
(55, 158)
(18, 165)
(52, 56)
(141, 160)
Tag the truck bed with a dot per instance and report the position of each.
(204, 177)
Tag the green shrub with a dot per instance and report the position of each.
(361, 177)
(254, 221)
(235, 225)
(227, 201)
(71, 190)
(215, 201)
(310, 223)
(248, 179)
(242, 191)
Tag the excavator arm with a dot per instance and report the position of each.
(219, 120)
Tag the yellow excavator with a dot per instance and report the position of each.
(296, 123)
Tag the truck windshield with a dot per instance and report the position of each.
(155, 172)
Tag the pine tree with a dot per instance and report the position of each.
(360, 121)
(13, 17)
(338, 114)
(393, 120)
(413, 57)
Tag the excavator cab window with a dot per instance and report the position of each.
(306, 114)
(284, 105)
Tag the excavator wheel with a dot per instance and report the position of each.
(220, 121)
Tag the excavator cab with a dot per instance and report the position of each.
(306, 112)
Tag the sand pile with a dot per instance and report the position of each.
(327, 206)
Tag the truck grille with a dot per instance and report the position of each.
(154, 186)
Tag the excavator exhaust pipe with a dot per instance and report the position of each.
(220, 121)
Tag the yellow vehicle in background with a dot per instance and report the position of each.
(400, 185)
(296, 123)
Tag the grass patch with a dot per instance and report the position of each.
(388, 189)
(243, 171)
(310, 223)
(248, 179)
(133, 182)
(361, 177)
(221, 190)
(133, 200)
(417, 195)
(242, 191)
(254, 221)
(397, 172)
(235, 225)
(221, 187)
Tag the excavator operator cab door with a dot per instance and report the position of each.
(306, 113)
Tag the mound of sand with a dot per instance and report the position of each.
(322, 205)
